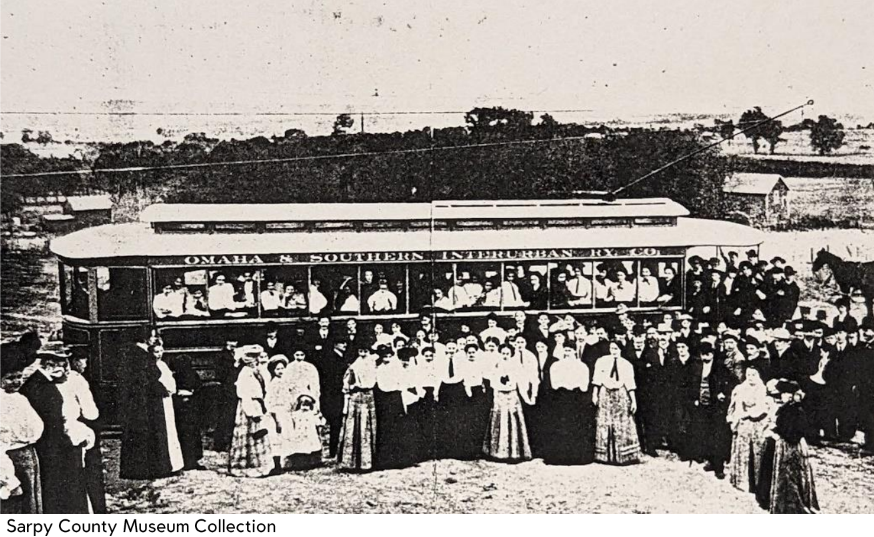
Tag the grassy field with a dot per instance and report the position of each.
(797, 146)
(834, 198)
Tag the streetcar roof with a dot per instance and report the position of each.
(439, 210)
(138, 240)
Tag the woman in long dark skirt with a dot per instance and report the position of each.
(569, 413)
(410, 450)
(793, 490)
(535, 415)
(389, 410)
(464, 407)
(428, 378)
(187, 408)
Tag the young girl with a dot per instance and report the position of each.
(306, 443)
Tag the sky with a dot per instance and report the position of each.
(615, 58)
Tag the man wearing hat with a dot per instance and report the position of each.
(696, 270)
(731, 356)
(63, 479)
(706, 396)
(785, 362)
(843, 382)
(752, 257)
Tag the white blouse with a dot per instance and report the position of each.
(21, 426)
(603, 369)
(250, 393)
(570, 374)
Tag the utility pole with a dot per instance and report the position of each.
(362, 122)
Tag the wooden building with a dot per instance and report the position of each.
(762, 199)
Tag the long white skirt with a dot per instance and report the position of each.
(173, 446)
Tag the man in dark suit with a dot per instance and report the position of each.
(662, 394)
(320, 339)
(272, 343)
(707, 394)
(332, 365)
(643, 358)
(842, 379)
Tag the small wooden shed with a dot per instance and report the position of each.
(762, 198)
(89, 210)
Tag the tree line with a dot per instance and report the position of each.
(826, 134)
(594, 158)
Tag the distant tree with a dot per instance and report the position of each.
(826, 135)
(294, 134)
(725, 129)
(771, 132)
(44, 137)
(26, 136)
(159, 131)
(547, 120)
(498, 117)
(343, 123)
(747, 120)
(805, 125)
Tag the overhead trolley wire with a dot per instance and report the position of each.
(612, 194)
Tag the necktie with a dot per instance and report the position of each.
(513, 289)
(578, 287)
(614, 373)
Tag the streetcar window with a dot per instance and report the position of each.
(471, 286)
(571, 285)
(670, 286)
(121, 293)
(66, 284)
(74, 300)
(615, 283)
(383, 289)
(180, 294)
(333, 290)
(233, 292)
(422, 278)
(525, 286)
(284, 292)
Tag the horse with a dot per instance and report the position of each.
(849, 275)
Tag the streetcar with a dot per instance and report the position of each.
(205, 274)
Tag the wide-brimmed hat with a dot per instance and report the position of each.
(781, 333)
(54, 351)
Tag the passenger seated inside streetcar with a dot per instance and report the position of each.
(382, 300)
(293, 300)
(648, 286)
(458, 296)
(221, 298)
(602, 285)
(535, 294)
(271, 300)
(168, 304)
(623, 290)
(440, 301)
(511, 297)
(579, 288)
(671, 291)
(196, 305)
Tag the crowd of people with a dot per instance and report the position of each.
(740, 382)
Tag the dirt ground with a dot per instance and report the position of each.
(844, 481)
